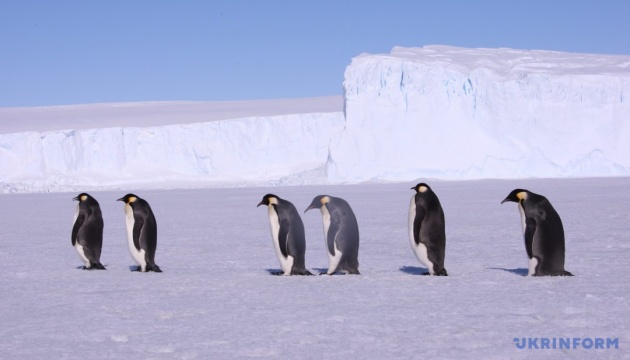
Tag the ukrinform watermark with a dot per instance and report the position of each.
(567, 343)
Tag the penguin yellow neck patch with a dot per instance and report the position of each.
(132, 199)
(325, 200)
(83, 197)
(273, 200)
(422, 189)
(522, 195)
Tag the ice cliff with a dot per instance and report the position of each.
(456, 113)
(431, 112)
(251, 151)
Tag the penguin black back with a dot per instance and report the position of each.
(543, 233)
(87, 231)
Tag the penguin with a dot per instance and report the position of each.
(341, 233)
(287, 234)
(141, 232)
(427, 233)
(87, 232)
(543, 233)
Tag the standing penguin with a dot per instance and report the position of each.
(341, 233)
(141, 232)
(287, 233)
(543, 232)
(87, 232)
(427, 232)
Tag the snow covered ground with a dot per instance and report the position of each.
(216, 299)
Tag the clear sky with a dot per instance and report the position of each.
(74, 52)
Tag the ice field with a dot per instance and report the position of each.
(216, 298)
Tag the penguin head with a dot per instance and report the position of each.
(269, 199)
(318, 202)
(82, 197)
(129, 198)
(421, 188)
(516, 195)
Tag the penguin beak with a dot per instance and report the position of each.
(309, 208)
(75, 199)
(505, 200)
(261, 203)
(121, 199)
(413, 188)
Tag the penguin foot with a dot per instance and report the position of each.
(97, 266)
(566, 273)
(153, 268)
(441, 273)
(301, 272)
(325, 273)
(276, 273)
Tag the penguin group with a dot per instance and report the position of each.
(542, 231)
(87, 232)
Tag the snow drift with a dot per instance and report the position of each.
(457, 113)
(432, 112)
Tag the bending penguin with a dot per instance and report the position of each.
(87, 232)
(141, 232)
(341, 233)
(287, 234)
(427, 232)
(543, 232)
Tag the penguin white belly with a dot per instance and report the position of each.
(420, 250)
(523, 218)
(333, 260)
(533, 262)
(82, 256)
(78, 247)
(285, 263)
(137, 256)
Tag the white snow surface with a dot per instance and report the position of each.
(217, 300)
(433, 112)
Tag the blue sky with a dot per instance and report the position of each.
(75, 52)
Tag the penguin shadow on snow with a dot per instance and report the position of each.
(275, 272)
(517, 271)
(414, 270)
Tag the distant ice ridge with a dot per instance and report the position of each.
(433, 112)
(290, 149)
(456, 113)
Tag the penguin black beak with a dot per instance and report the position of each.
(309, 208)
(75, 199)
(261, 203)
(505, 200)
(121, 199)
(413, 188)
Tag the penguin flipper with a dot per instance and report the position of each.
(283, 236)
(333, 230)
(530, 232)
(417, 224)
(76, 227)
(138, 223)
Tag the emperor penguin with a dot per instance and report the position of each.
(141, 232)
(87, 232)
(341, 233)
(543, 233)
(427, 232)
(287, 234)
